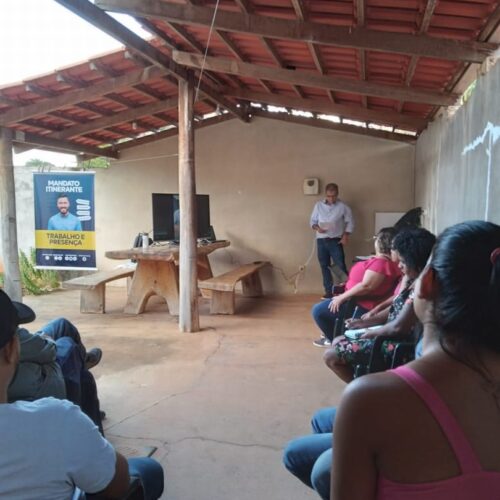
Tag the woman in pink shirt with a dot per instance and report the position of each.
(370, 282)
(430, 429)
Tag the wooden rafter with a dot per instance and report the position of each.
(43, 141)
(360, 14)
(300, 12)
(237, 53)
(360, 38)
(342, 127)
(115, 119)
(172, 132)
(106, 23)
(75, 96)
(424, 26)
(247, 8)
(312, 80)
(326, 107)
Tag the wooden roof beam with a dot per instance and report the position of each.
(341, 127)
(173, 132)
(313, 80)
(328, 108)
(115, 119)
(106, 23)
(424, 26)
(73, 97)
(45, 142)
(360, 15)
(300, 12)
(340, 36)
(237, 53)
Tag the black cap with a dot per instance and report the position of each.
(12, 314)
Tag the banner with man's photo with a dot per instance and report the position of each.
(64, 220)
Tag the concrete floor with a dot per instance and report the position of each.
(219, 404)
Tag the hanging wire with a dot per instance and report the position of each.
(206, 51)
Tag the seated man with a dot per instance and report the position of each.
(49, 447)
(54, 362)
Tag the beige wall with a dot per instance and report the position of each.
(254, 174)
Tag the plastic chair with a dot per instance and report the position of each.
(403, 353)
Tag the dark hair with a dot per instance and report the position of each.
(62, 195)
(414, 245)
(332, 187)
(467, 303)
(384, 238)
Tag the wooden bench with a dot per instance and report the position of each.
(93, 296)
(222, 287)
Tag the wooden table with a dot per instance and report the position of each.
(158, 273)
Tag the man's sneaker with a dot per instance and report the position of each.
(327, 296)
(93, 358)
(322, 342)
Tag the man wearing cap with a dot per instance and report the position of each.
(54, 362)
(48, 447)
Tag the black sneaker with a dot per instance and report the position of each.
(327, 296)
(322, 342)
(93, 358)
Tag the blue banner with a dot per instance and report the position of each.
(64, 220)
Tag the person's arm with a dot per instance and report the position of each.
(402, 325)
(354, 472)
(120, 483)
(314, 222)
(376, 319)
(349, 225)
(91, 462)
(371, 281)
(379, 308)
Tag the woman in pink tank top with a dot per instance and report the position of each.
(430, 430)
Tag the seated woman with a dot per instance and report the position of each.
(413, 248)
(430, 429)
(370, 281)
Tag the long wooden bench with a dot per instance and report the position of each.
(92, 286)
(222, 288)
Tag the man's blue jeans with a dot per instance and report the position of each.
(309, 458)
(325, 319)
(150, 472)
(329, 249)
(80, 384)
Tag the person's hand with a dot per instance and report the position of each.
(367, 315)
(319, 229)
(344, 240)
(335, 303)
(352, 323)
(370, 334)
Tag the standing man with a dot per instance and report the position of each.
(333, 222)
(64, 220)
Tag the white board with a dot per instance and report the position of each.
(386, 219)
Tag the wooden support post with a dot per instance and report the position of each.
(12, 274)
(189, 320)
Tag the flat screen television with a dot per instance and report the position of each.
(166, 217)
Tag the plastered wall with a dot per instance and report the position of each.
(254, 175)
(458, 160)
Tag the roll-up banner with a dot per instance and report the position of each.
(64, 220)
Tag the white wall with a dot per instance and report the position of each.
(458, 160)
